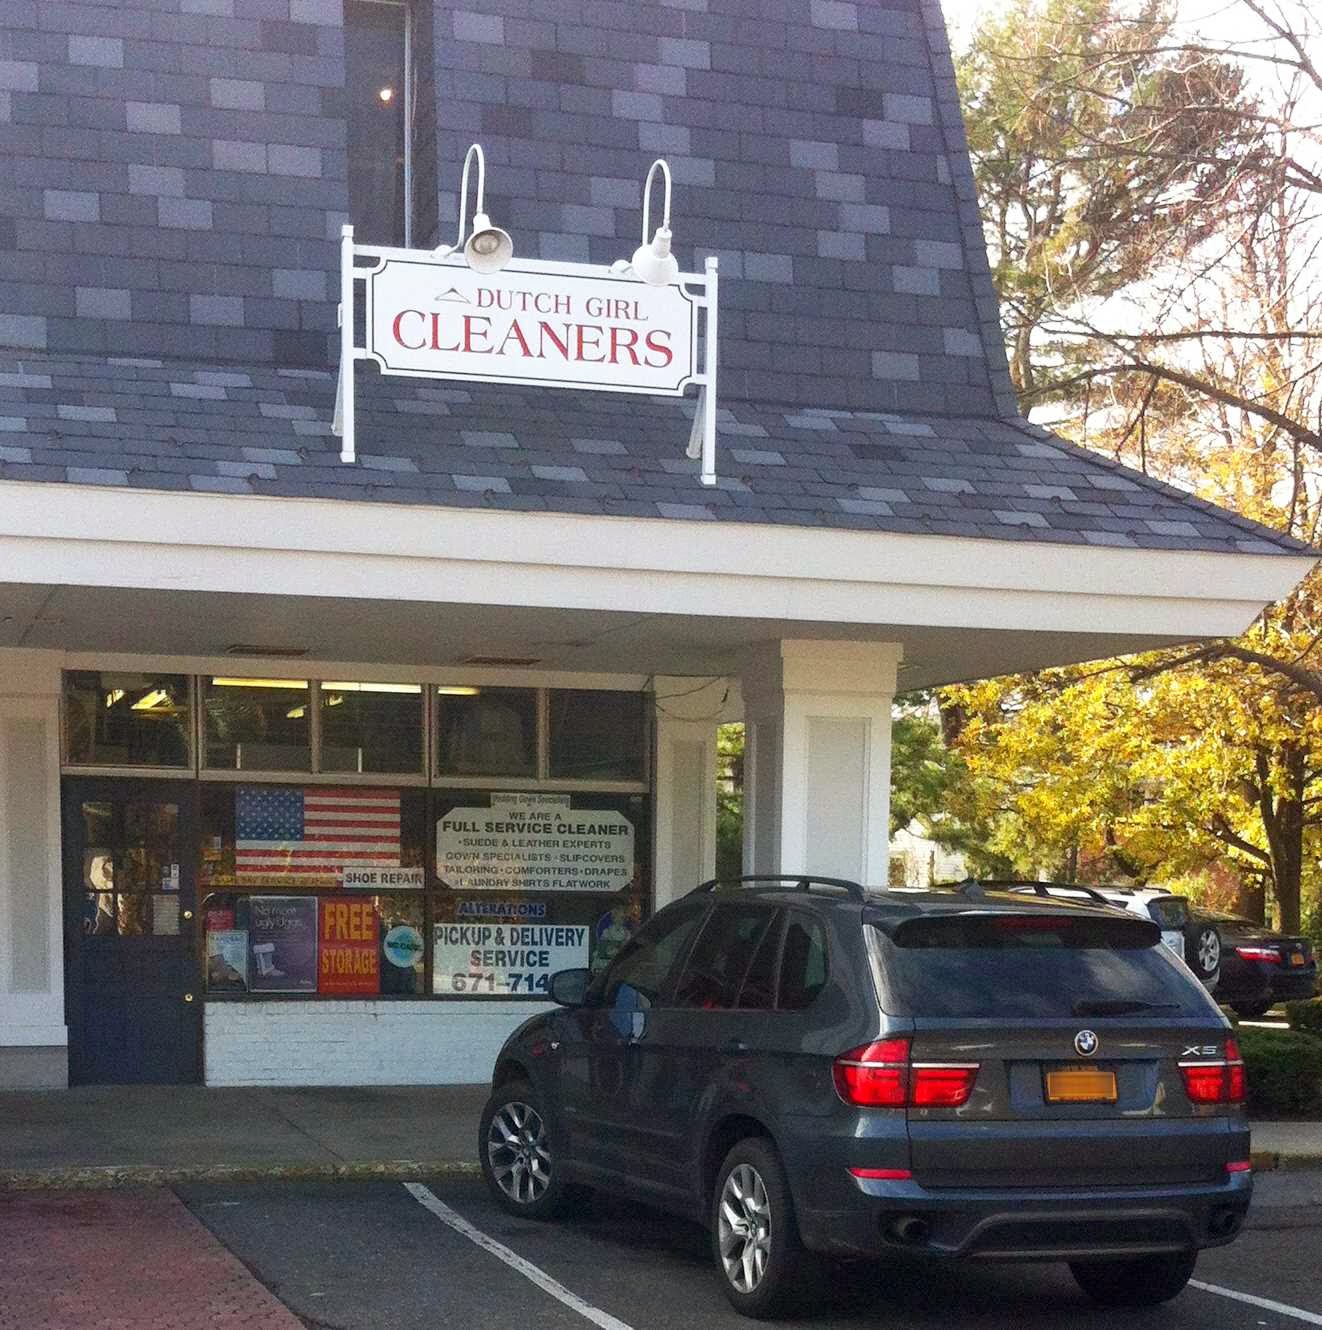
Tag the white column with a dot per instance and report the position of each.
(33, 1037)
(684, 836)
(817, 758)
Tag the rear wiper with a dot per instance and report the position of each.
(1118, 1006)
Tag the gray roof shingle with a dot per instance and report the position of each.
(138, 423)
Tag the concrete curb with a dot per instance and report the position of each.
(157, 1175)
(1266, 1161)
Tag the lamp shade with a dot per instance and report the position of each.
(489, 248)
(654, 263)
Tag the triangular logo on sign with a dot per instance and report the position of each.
(454, 294)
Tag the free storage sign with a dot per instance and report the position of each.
(535, 843)
(559, 329)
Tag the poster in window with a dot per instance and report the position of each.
(535, 843)
(505, 960)
(349, 948)
(227, 960)
(282, 934)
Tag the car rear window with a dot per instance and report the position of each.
(1030, 966)
(1170, 912)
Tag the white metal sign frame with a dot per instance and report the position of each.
(698, 289)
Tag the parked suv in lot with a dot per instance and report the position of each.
(812, 1069)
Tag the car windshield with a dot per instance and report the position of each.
(1031, 966)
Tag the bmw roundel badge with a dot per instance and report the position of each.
(1086, 1043)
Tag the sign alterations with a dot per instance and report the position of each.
(551, 325)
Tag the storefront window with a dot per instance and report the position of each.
(128, 720)
(374, 727)
(486, 731)
(596, 735)
(257, 724)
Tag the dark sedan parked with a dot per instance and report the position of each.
(1259, 967)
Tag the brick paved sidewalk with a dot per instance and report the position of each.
(133, 1259)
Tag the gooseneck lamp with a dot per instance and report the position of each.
(654, 263)
(488, 248)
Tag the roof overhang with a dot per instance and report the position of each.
(89, 568)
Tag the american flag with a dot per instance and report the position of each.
(309, 833)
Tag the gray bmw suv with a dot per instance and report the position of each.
(814, 1070)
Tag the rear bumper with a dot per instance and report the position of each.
(1029, 1224)
(1287, 985)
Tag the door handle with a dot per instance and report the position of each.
(188, 914)
(188, 997)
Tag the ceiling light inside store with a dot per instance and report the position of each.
(258, 683)
(374, 687)
(113, 696)
(150, 701)
(456, 690)
(296, 713)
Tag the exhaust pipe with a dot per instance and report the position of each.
(912, 1230)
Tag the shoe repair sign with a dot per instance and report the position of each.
(534, 843)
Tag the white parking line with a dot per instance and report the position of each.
(1267, 1304)
(425, 1197)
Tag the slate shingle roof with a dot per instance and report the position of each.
(173, 426)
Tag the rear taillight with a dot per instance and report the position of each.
(1240, 1166)
(1268, 954)
(1216, 1082)
(883, 1075)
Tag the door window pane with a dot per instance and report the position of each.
(803, 963)
(121, 719)
(486, 731)
(371, 727)
(722, 955)
(759, 988)
(596, 735)
(257, 724)
(151, 847)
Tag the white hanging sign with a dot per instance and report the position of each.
(558, 329)
(554, 325)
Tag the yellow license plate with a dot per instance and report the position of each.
(1297, 958)
(1081, 1085)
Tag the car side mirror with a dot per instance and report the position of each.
(570, 987)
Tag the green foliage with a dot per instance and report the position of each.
(1284, 1070)
(1305, 1015)
(729, 800)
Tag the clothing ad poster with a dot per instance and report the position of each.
(349, 948)
(227, 960)
(283, 942)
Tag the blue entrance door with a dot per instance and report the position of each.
(132, 990)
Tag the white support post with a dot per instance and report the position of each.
(707, 403)
(344, 406)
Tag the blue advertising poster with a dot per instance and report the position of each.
(282, 936)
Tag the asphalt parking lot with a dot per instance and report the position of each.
(357, 1256)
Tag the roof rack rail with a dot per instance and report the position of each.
(802, 881)
(1046, 888)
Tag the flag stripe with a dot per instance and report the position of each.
(312, 832)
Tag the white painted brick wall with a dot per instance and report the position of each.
(357, 1043)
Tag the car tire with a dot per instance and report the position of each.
(1202, 953)
(517, 1154)
(760, 1259)
(1140, 1281)
(1251, 1010)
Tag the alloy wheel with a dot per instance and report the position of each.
(744, 1228)
(518, 1153)
(1209, 950)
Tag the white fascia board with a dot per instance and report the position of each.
(57, 534)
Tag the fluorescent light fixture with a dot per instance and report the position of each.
(373, 687)
(226, 682)
(296, 713)
(150, 701)
(456, 690)
(113, 696)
